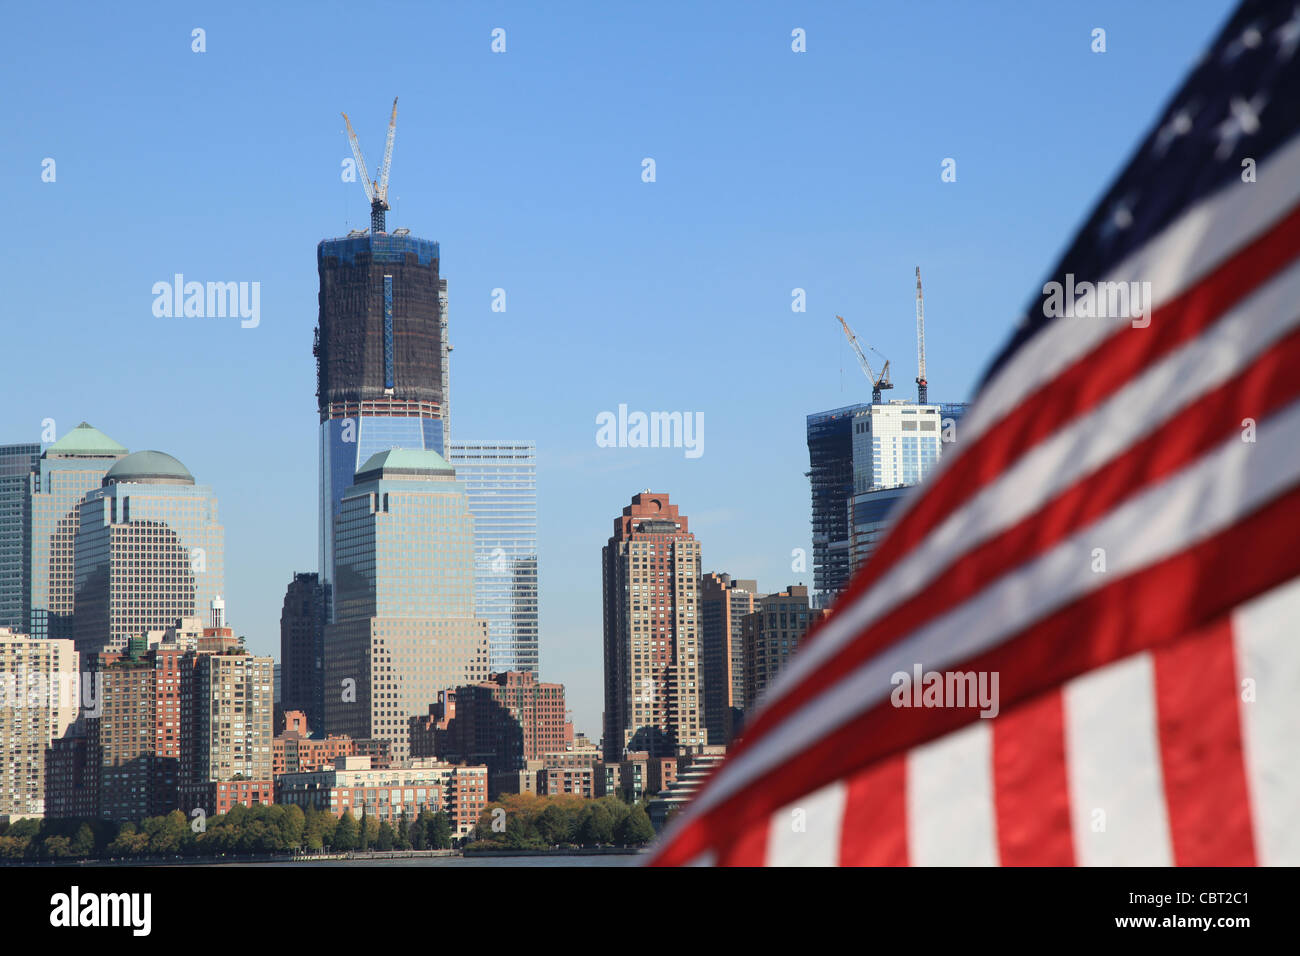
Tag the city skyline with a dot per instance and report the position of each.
(242, 418)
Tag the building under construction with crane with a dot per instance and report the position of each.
(380, 346)
(862, 457)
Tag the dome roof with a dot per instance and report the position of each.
(155, 467)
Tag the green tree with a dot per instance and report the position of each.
(385, 839)
(635, 829)
(346, 834)
(439, 831)
(56, 847)
(553, 825)
(402, 834)
(363, 838)
(418, 833)
(83, 843)
(597, 826)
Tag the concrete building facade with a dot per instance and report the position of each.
(653, 666)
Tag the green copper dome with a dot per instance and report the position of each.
(412, 462)
(85, 440)
(154, 467)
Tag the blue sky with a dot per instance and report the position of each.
(774, 170)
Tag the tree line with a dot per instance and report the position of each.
(526, 821)
(276, 828)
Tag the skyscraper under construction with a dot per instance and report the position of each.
(381, 349)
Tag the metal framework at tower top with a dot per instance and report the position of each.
(376, 192)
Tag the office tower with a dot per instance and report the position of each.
(404, 625)
(502, 722)
(149, 550)
(868, 521)
(724, 603)
(379, 350)
(500, 478)
(16, 464)
(651, 569)
(67, 471)
(39, 695)
(830, 460)
(895, 444)
(772, 634)
(302, 650)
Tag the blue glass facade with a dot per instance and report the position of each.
(500, 478)
(16, 464)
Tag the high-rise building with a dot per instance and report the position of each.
(653, 671)
(149, 551)
(16, 465)
(231, 710)
(868, 521)
(894, 447)
(724, 603)
(39, 697)
(830, 460)
(404, 626)
(772, 634)
(500, 478)
(302, 649)
(136, 741)
(67, 471)
(380, 349)
(502, 722)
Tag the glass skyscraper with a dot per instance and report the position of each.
(500, 478)
(67, 471)
(380, 350)
(149, 550)
(16, 464)
(830, 473)
(404, 626)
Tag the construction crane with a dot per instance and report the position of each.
(877, 383)
(377, 194)
(922, 386)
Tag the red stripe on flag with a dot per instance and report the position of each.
(1201, 750)
(1159, 603)
(1031, 787)
(748, 849)
(875, 816)
(1269, 383)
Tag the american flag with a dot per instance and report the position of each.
(1115, 534)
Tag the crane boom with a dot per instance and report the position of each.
(361, 160)
(922, 386)
(382, 194)
(877, 382)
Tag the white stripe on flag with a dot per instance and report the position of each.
(807, 832)
(950, 817)
(1117, 796)
(1267, 640)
